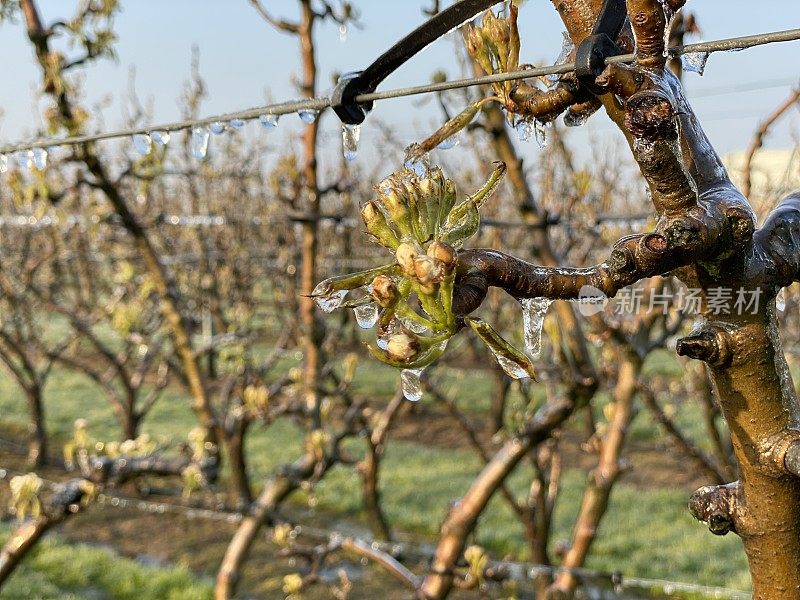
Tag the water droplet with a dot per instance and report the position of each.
(200, 142)
(343, 33)
(694, 62)
(411, 383)
(308, 116)
(780, 300)
(351, 134)
(143, 143)
(39, 158)
(534, 311)
(160, 137)
(236, 123)
(3, 163)
(328, 301)
(511, 368)
(269, 121)
(217, 127)
(451, 142)
(366, 315)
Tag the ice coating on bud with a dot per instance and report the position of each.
(444, 253)
(385, 291)
(427, 269)
(406, 253)
(402, 346)
(377, 225)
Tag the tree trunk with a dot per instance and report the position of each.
(239, 486)
(37, 435)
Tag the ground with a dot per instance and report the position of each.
(647, 533)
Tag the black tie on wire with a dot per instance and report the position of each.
(343, 99)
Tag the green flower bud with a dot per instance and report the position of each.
(377, 226)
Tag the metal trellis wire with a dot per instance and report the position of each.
(320, 104)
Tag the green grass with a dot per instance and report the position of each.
(646, 533)
(60, 571)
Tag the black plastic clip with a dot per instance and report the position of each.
(343, 99)
(590, 58)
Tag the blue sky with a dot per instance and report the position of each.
(245, 62)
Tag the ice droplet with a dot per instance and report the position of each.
(3, 163)
(351, 134)
(24, 159)
(307, 115)
(780, 300)
(366, 315)
(269, 121)
(421, 166)
(694, 62)
(413, 326)
(343, 33)
(142, 143)
(200, 142)
(575, 119)
(328, 301)
(451, 142)
(236, 123)
(534, 311)
(217, 127)
(160, 137)
(39, 158)
(411, 383)
(511, 368)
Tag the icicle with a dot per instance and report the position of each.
(269, 121)
(343, 33)
(669, 15)
(351, 134)
(217, 127)
(366, 315)
(143, 143)
(780, 300)
(411, 383)
(567, 47)
(532, 128)
(534, 311)
(160, 137)
(39, 158)
(307, 115)
(3, 163)
(200, 142)
(694, 62)
(236, 123)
